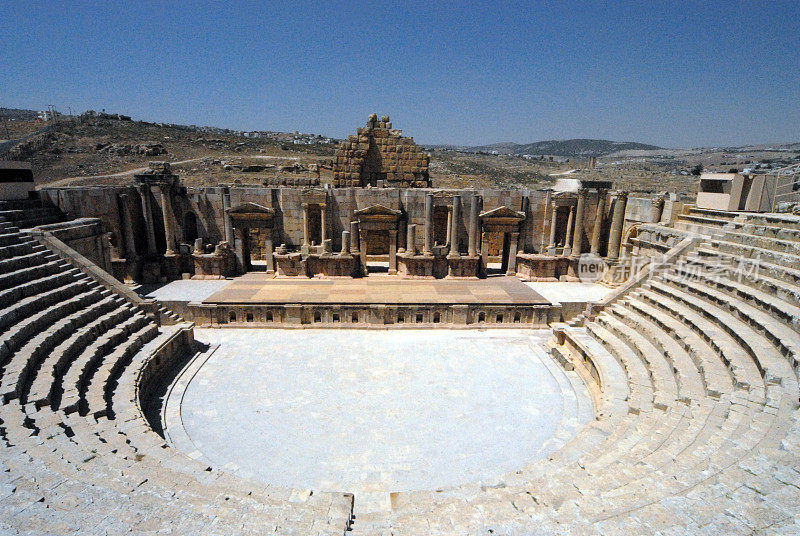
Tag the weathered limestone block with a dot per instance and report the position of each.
(332, 265)
(463, 267)
(290, 265)
(535, 267)
(412, 266)
(217, 265)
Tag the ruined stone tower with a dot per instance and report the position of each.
(380, 155)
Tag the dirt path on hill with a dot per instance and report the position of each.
(69, 180)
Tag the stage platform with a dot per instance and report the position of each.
(259, 300)
(256, 288)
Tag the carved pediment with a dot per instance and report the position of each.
(377, 210)
(250, 208)
(251, 214)
(502, 213)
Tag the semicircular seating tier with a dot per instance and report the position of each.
(694, 372)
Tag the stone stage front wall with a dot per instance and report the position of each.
(257, 301)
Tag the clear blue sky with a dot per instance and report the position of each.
(673, 74)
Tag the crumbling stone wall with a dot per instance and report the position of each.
(380, 155)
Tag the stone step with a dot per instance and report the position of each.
(748, 269)
(22, 248)
(769, 231)
(32, 216)
(789, 221)
(764, 242)
(762, 352)
(29, 273)
(784, 337)
(60, 304)
(718, 377)
(48, 377)
(691, 380)
(665, 391)
(726, 215)
(32, 259)
(711, 275)
(755, 253)
(95, 400)
(81, 369)
(29, 356)
(640, 383)
(24, 300)
(11, 238)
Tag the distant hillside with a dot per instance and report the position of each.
(14, 114)
(573, 148)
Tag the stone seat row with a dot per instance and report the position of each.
(677, 427)
(698, 425)
(76, 453)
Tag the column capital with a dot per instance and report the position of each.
(621, 194)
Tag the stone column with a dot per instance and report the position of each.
(411, 239)
(551, 247)
(523, 235)
(428, 225)
(617, 225)
(544, 220)
(657, 209)
(144, 193)
(305, 243)
(392, 252)
(242, 250)
(269, 250)
(568, 236)
(455, 220)
(513, 240)
(323, 212)
(474, 211)
(354, 237)
(362, 250)
(345, 243)
(166, 212)
(598, 222)
(128, 222)
(577, 239)
(448, 238)
(484, 249)
(402, 236)
(226, 205)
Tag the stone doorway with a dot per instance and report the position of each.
(501, 221)
(246, 218)
(377, 230)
